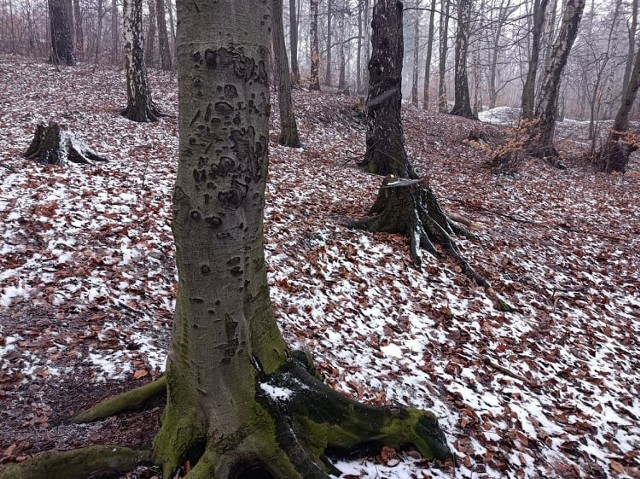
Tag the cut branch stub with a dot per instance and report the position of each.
(54, 145)
(409, 207)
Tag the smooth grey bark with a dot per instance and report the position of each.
(140, 106)
(529, 89)
(293, 41)
(540, 141)
(288, 128)
(633, 28)
(442, 62)
(163, 36)
(61, 24)
(314, 79)
(416, 56)
(150, 45)
(359, 50)
(427, 63)
(385, 153)
(462, 104)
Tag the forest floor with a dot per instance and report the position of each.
(87, 283)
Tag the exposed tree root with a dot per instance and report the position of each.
(409, 207)
(127, 401)
(298, 419)
(55, 146)
(614, 156)
(93, 462)
(145, 112)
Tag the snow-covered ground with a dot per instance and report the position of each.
(550, 390)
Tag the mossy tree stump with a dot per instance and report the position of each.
(409, 207)
(53, 145)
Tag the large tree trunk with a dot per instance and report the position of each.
(140, 106)
(385, 152)
(239, 403)
(427, 63)
(529, 89)
(442, 62)
(163, 36)
(462, 105)
(314, 80)
(293, 40)
(540, 141)
(288, 128)
(633, 28)
(61, 21)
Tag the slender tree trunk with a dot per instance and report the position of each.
(327, 76)
(614, 156)
(442, 62)
(77, 21)
(367, 45)
(100, 11)
(61, 21)
(150, 47)
(540, 142)
(427, 64)
(114, 31)
(163, 36)
(359, 50)
(314, 80)
(529, 89)
(293, 40)
(288, 128)
(462, 105)
(385, 152)
(140, 106)
(633, 28)
(416, 56)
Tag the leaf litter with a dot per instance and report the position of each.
(87, 284)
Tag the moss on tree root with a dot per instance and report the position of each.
(95, 462)
(127, 401)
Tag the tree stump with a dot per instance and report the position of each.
(409, 207)
(54, 145)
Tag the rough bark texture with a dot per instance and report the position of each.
(614, 156)
(462, 105)
(140, 106)
(61, 20)
(53, 145)
(288, 127)
(293, 40)
(227, 355)
(163, 36)
(385, 152)
(540, 141)
(529, 89)
(314, 79)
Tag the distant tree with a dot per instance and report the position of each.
(416, 54)
(77, 22)
(288, 128)
(540, 141)
(442, 62)
(614, 156)
(140, 106)
(61, 22)
(314, 80)
(114, 31)
(150, 44)
(327, 76)
(462, 105)
(405, 204)
(633, 28)
(427, 63)
(293, 41)
(163, 36)
(529, 89)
